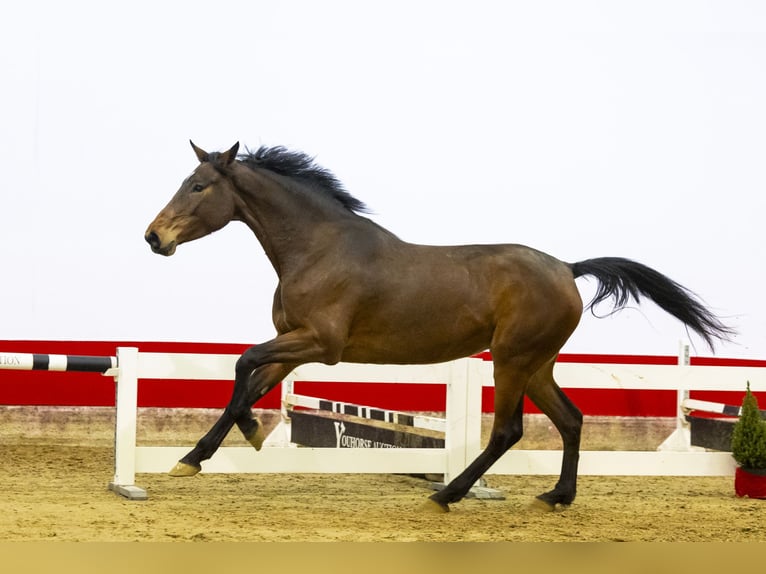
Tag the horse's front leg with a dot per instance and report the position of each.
(257, 371)
(261, 367)
(191, 464)
(249, 387)
(260, 382)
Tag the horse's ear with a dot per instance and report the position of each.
(229, 156)
(202, 155)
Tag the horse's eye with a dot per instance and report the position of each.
(198, 187)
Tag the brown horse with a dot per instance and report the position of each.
(350, 290)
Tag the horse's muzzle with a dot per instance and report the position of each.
(156, 244)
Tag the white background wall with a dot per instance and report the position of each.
(584, 128)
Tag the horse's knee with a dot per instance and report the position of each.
(245, 365)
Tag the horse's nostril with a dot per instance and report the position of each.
(152, 239)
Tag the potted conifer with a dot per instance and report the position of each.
(748, 447)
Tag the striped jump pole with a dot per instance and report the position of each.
(715, 408)
(365, 412)
(43, 362)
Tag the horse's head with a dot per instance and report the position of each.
(204, 203)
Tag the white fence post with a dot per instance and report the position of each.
(684, 360)
(461, 405)
(474, 384)
(126, 405)
(680, 439)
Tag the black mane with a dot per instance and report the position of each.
(300, 166)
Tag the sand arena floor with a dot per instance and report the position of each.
(58, 461)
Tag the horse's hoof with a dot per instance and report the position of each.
(432, 507)
(257, 438)
(539, 505)
(183, 469)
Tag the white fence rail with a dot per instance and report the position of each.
(463, 380)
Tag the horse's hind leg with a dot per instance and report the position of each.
(507, 429)
(248, 388)
(567, 418)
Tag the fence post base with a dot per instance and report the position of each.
(130, 492)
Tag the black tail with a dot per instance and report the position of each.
(624, 279)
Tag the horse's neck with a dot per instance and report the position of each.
(285, 221)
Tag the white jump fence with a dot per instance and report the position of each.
(463, 381)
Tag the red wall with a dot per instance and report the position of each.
(93, 389)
